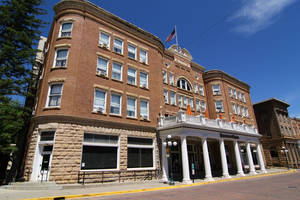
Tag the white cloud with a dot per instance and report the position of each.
(256, 15)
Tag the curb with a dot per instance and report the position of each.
(157, 188)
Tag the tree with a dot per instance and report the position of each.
(19, 34)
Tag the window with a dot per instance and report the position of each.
(61, 57)
(66, 29)
(132, 51)
(143, 56)
(239, 95)
(171, 79)
(102, 66)
(242, 111)
(180, 100)
(246, 112)
(100, 101)
(196, 88)
(230, 92)
(117, 71)
(173, 98)
(238, 109)
(166, 96)
(191, 103)
(216, 89)
(144, 109)
(234, 108)
(219, 106)
(201, 90)
(185, 102)
(165, 77)
(131, 76)
(115, 104)
(243, 97)
(143, 80)
(183, 84)
(203, 106)
(104, 39)
(99, 152)
(47, 136)
(198, 105)
(140, 152)
(54, 96)
(234, 93)
(131, 107)
(118, 46)
(273, 152)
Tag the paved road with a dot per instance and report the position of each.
(281, 187)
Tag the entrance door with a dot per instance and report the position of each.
(46, 156)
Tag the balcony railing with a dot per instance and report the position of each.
(201, 121)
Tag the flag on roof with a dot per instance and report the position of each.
(171, 36)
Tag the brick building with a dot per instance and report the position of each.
(109, 95)
(278, 131)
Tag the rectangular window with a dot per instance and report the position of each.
(165, 77)
(61, 57)
(243, 97)
(118, 46)
(131, 76)
(196, 88)
(143, 56)
(219, 106)
(104, 39)
(191, 103)
(203, 106)
(66, 29)
(166, 96)
(102, 66)
(143, 80)
(144, 109)
(185, 102)
(54, 96)
(239, 96)
(243, 111)
(117, 71)
(201, 90)
(171, 79)
(180, 100)
(100, 101)
(234, 108)
(230, 92)
(115, 104)
(234, 94)
(238, 109)
(246, 112)
(131, 107)
(47, 136)
(198, 105)
(99, 152)
(140, 153)
(173, 98)
(216, 89)
(132, 51)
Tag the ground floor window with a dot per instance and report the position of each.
(140, 152)
(99, 152)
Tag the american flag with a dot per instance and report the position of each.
(171, 36)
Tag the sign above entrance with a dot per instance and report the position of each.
(229, 136)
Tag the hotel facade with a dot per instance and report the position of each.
(110, 95)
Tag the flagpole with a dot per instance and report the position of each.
(176, 39)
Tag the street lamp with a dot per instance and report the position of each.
(168, 144)
(284, 150)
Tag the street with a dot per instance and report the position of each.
(286, 186)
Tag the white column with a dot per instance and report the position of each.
(224, 159)
(185, 160)
(240, 171)
(165, 168)
(208, 175)
(250, 159)
(260, 159)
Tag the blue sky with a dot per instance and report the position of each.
(256, 41)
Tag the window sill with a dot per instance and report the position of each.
(217, 94)
(144, 88)
(167, 103)
(141, 169)
(98, 170)
(102, 76)
(64, 37)
(103, 47)
(132, 59)
(99, 113)
(133, 118)
(56, 68)
(173, 105)
(115, 115)
(145, 120)
(52, 108)
(120, 81)
(120, 54)
(144, 63)
(132, 85)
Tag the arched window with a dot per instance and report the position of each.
(183, 84)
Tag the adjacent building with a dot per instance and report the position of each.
(279, 132)
(109, 96)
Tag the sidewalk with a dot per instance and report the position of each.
(91, 190)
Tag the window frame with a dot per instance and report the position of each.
(146, 56)
(187, 84)
(98, 70)
(49, 91)
(61, 27)
(135, 75)
(135, 51)
(147, 78)
(216, 91)
(121, 71)
(196, 89)
(105, 100)
(166, 96)
(148, 113)
(201, 90)
(122, 45)
(222, 110)
(165, 77)
(171, 79)
(135, 106)
(55, 58)
(102, 43)
(174, 98)
(120, 104)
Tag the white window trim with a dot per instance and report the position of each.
(146, 100)
(145, 62)
(107, 64)
(196, 88)
(135, 51)
(166, 98)
(121, 72)
(135, 76)
(222, 105)
(147, 85)
(102, 44)
(174, 104)
(120, 106)
(105, 99)
(54, 62)
(173, 79)
(48, 97)
(201, 93)
(122, 48)
(60, 29)
(135, 107)
(218, 91)
(165, 77)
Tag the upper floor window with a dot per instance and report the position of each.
(100, 101)
(216, 89)
(61, 57)
(165, 77)
(191, 103)
(131, 106)
(243, 97)
(230, 92)
(144, 109)
(115, 104)
(66, 29)
(102, 66)
(203, 106)
(234, 108)
(173, 98)
(198, 105)
(131, 76)
(246, 112)
(195, 87)
(171, 79)
(201, 90)
(180, 100)
(185, 101)
(104, 39)
(118, 46)
(117, 71)
(234, 93)
(166, 96)
(219, 106)
(238, 109)
(131, 51)
(143, 56)
(143, 79)
(183, 84)
(242, 111)
(54, 95)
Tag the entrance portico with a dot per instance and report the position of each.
(218, 143)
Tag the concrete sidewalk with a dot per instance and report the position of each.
(90, 190)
